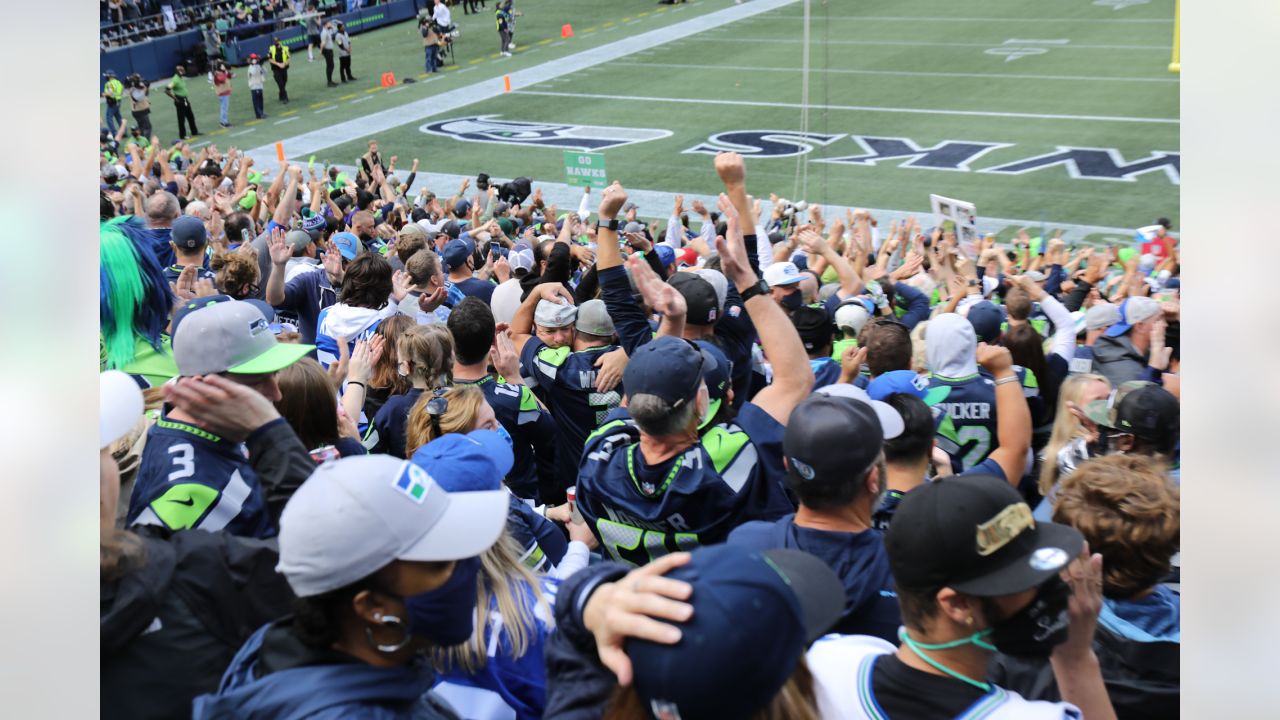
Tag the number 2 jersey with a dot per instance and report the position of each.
(641, 512)
(191, 478)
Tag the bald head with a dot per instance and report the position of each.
(162, 209)
(200, 209)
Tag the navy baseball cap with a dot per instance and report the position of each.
(456, 252)
(717, 372)
(189, 233)
(477, 461)
(985, 318)
(668, 367)
(754, 613)
(461, 208)
(909, 382)
(348, 245)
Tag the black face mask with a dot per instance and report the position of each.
(1033, 631)
(792, 302)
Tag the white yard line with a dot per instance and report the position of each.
(903, 73)
(1033, 21)
(858, 108)
(281, 122)
(446, 102)
(918, 43)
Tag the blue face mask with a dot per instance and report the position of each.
(505, 436)
(446, 615)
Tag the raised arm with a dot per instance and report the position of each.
(1013, 417)
(287, 204)
(793, 378)
(522, 321)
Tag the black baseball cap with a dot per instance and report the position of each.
(814, 327)
(831, 439)
(1143, 409)
(699, 296)
(754, 612)
(976, 535)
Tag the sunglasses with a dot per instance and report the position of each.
(437, 406)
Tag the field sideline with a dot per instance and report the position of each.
(1069, 121)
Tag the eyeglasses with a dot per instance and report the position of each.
(438, 405)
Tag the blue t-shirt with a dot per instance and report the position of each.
(190, 478)
(392, 422)
(826, 371)
(641, 512)
(565, 382)
(533, 435)
(860, 561)
(507, 686)
(475, 287)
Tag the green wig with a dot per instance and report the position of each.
(134, 299)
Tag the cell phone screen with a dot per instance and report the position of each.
(494, 248)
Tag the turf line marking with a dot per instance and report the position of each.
(371, 91)
(398, 89)
(1036, 21)
(347, 97)
(286, 120)
(322, 103)
(557, 43)
(203, 143)
(241, 132)
(218, 132)
(287, 113)
(327, 109)
(905, 73)
(859, 108)
(254, 122)
(357, 101)
(307, 143)
(544, 41)
(908, 43)
(477, 61)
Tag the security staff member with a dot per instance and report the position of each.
(326, 49)
(278, 56)
(112, 91)
(177, 89)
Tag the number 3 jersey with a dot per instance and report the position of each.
(641, 512)
(191, 478)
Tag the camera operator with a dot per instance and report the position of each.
(431, 41)
(140, 102)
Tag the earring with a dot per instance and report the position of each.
(968, 621)
(386, 620)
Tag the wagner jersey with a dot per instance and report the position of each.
(641, 512)
(190, 478)
(968, 433)
(565, 381)
(533, 435)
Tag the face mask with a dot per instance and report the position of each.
(505, 436)
(792, 302)
(446, 615)
(1033, 631)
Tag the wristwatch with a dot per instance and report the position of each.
(611, 225)
(760, 288)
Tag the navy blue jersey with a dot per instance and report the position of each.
(641, 512)
(858, 559)
(542, 544)
(883, 514)
(968, 433)
(392, 421)
(565, 381)
(191, 478)
(825, 371)
(533, 436)
(173, 272)
(305, 295)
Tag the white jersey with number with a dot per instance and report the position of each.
(841, 667)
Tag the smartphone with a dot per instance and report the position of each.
(245, 237)
(495, 248)
(325, 454)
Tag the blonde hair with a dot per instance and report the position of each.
(1066, 426)
(919, 363)
(429, 351)
(460, 417)
(233, 271)
(501, 582)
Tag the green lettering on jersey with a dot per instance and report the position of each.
(554, 356)
(947, 429)
(604, 429)
(528, 402)
(1029, 379)
(723, 446)
(837, 348)
(182, 506)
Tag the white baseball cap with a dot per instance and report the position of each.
(852, 315)
(356, 515)
(782, 273)
(119, 406)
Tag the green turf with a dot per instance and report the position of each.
(1114, 65)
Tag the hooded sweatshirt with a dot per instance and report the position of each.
(859, 559)
(170, 625)
(277, 677)
(968, 433)
(348, 321)
(1116, 359)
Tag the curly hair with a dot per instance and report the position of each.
(1127, 509)
(235, 273)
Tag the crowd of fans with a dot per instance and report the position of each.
(372, 449)
(124, 22)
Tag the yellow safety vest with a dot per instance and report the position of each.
(271, 52)
(114, 89)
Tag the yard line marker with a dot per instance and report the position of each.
(327, 109)
(357, 101)
(590, 29)
(371, 91)
(241, 132)
(643, 14)
(477, 61)
(905, 73)
(254, 122)
(348, 97)
(286, 120)
(1036, 21)
(449, 101)
(322, 103)
(861, 108)
(558, 42)
(288, 113)
(908, 43)
(398, 89)
(544, 41)
(218, 132)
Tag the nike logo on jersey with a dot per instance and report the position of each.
(188, 502)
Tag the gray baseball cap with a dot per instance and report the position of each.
(356, 515)
(550, 314)
(593, 319)
(298, 239)
(1101, 315)
(233, 337)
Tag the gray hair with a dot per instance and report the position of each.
(656, 417)
(162, 209)
(198, 208)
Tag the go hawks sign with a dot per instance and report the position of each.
(1085, 163)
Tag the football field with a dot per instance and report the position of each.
(1062, 115)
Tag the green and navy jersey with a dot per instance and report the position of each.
(968, 433)
(173, 272)
(641, 512)
(542, 544)
(826, 371)
(190, 478)
(565, 382)
(533, 435)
